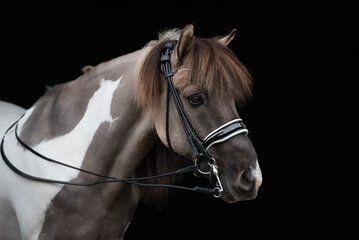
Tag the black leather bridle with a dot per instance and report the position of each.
(199, 147)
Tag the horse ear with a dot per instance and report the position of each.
(185, 42)
(227, 39)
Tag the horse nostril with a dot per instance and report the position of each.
(246, 181)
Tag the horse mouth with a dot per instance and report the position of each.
(234, 193)
(243, 186)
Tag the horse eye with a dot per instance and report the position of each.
(196, 99)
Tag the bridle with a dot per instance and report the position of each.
(199, 147)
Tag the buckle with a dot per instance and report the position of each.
(170, 44)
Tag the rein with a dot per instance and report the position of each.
(109, 179)
(199, 147)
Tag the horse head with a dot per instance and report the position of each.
(211, 83)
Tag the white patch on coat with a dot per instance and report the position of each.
(258, 175)
(9, 228)
(31, 199)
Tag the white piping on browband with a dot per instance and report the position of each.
(228, 123)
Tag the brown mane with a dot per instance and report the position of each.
(213, 67)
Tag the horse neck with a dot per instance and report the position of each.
(95, 115)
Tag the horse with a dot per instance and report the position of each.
(171, 105)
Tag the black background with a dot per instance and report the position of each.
(304, 68)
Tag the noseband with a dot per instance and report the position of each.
(199, 147)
